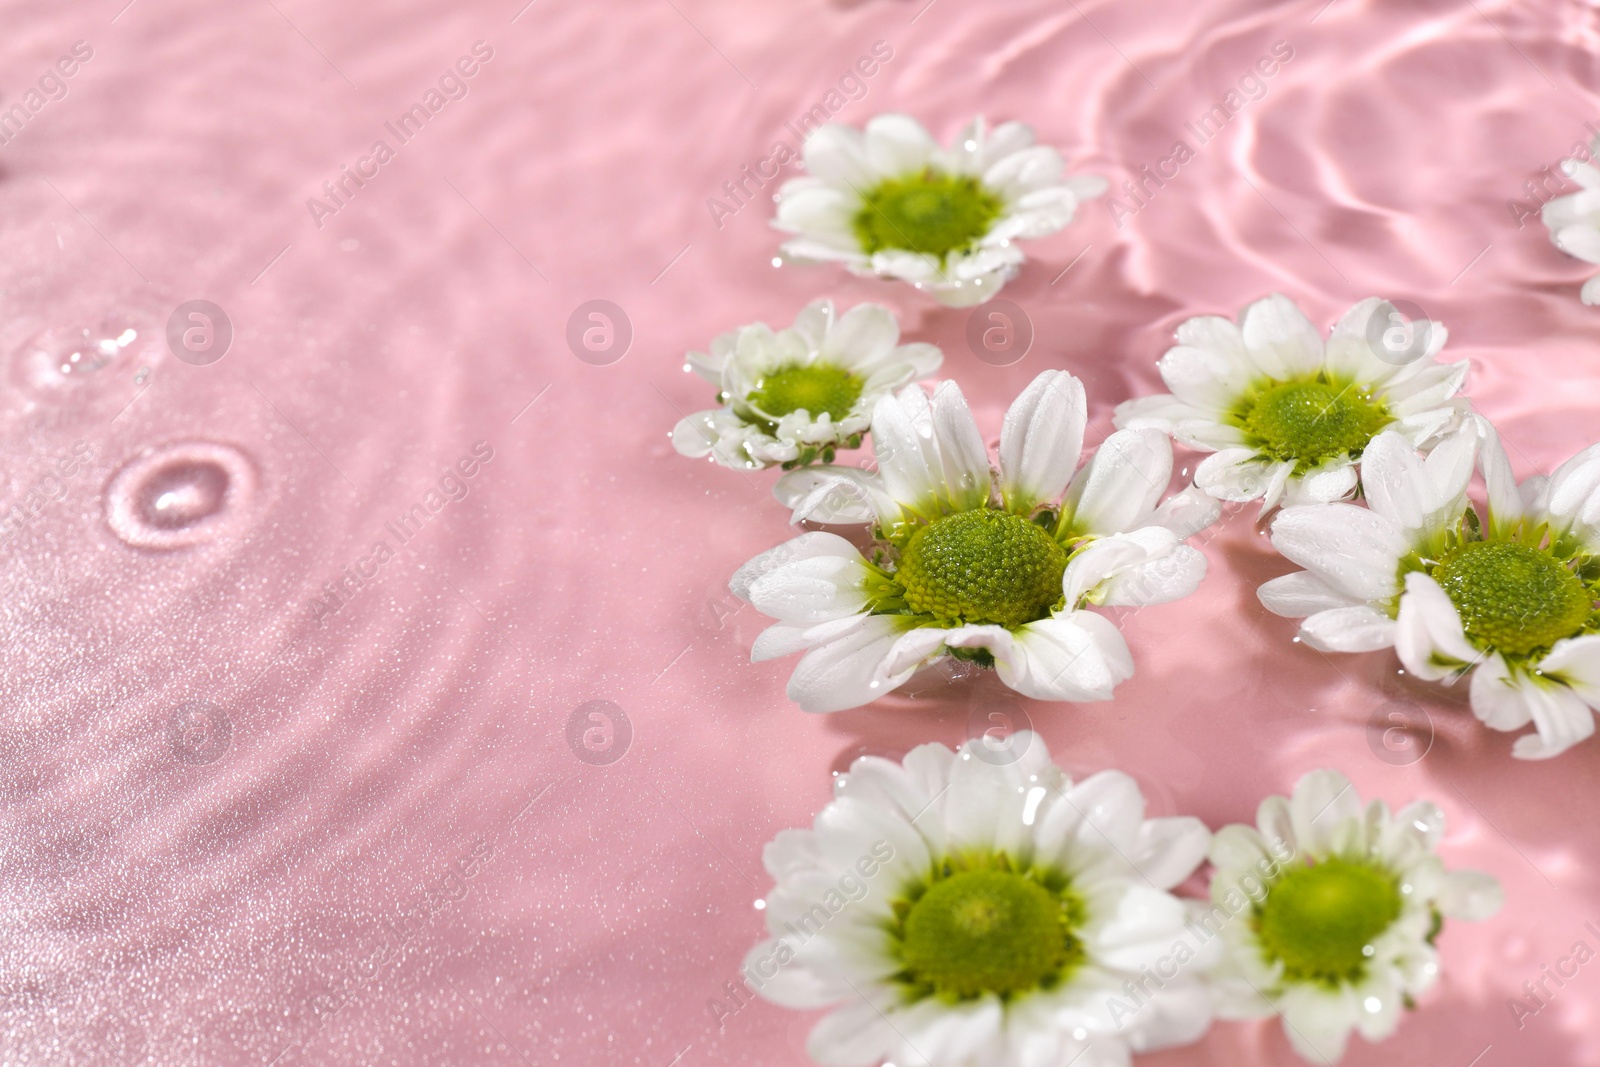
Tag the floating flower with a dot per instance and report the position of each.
(1511, 598)
(1287, 417)
(889, 201)
(978, 907)
(1344, 905)
(998, 571)
(791, 396)
(1574, 220)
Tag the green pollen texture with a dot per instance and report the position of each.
(982, 566)
(1311, 421)
(931, 213)
(1512, 597)
(818, 388)
(987, 931)
(1318, 919)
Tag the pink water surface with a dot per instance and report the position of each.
(224, 803)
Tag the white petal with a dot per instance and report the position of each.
(1590, 293)
(1352, 549)
(1142, 929)
(1106, 558)
(1077, 656)
(1209, 379)
(1353, 629)
(1168, 850)
(1236, 847)
(806, 546)
(1172, 573)
(1334, 480)
(848, 671)
(1188, 512)
(1496, 701)
(1162, 411)
(1561, 718)
(1412, 493)
(791, 986)
(837, 153)
(785, 639)
(897, 144)
(1582, 241)
(1380, 997)
(1300, 594)
(824, 213)
(861, 338)
(1575, 662)
(1041, 440)
(967, 1032)
(856, 1035)
(983, 807)
(966, 459)
(1428, 635)
(1236, 474)
(695, 435)
(1020, 173)
(1280, 339)
(835, 494)
(1322, 800)
(854, 827)
(812, 590)
(1318, 1020)
(1505, 502)
(1572, 497)
(1112, 808)
(1177, 1015)
(1275, 824)
(1120, 485)
(930, 454)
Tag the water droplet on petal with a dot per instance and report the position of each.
(180, 495)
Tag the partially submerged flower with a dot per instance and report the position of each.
(796, 395)
(1510, 597)
(890, 201)
(975, 907)
(1574, 220)
(1344, 906)
(1285, 415)
(997, 568)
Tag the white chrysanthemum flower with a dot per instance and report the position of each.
(1285, 416)
(999, 571)
(889, 201)
(1344, 904)
(1511, 598)
(1574, 221)
(978, 909)
(794, 395)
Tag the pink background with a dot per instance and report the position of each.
(397, 770)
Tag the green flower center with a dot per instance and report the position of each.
(1319, 920)
(988, 931)
(931, 213)
(1308, 422)
(818, 388)
(1512, 597)
(982, 566)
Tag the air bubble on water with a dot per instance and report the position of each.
(58, 355)
(180, 495)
